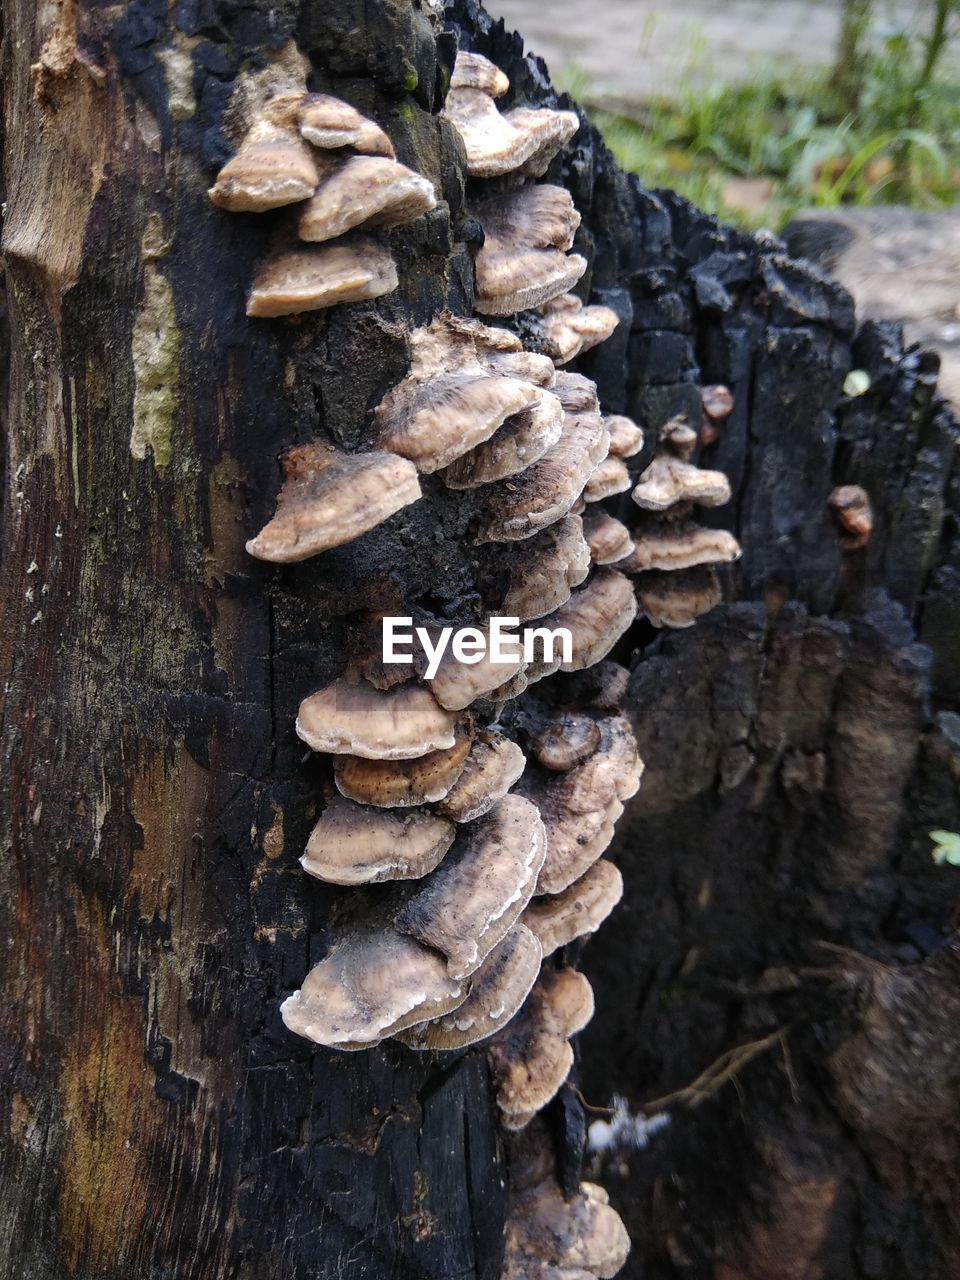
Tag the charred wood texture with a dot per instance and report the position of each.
(158, 1121)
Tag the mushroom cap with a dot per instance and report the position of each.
(609, 478)
(497, 990)
(569, 327)
(465, 907)
(613, 772)
(551, 1237)
(312, 279)
(521, 441)
(449, 402)
(669, 480)
(565, 741)
(671, 547)
(528, 366)
(474, 71)
(457, 684)
(574, 841)
(596, 615)
(364, 191)
(676, 600)
(493, 766)
(274, 167)
(542, 571)
(717, 402)
(541, 216)
(517, 508)
(559, 919)
(329, 498)
(330, 124)
(371, 982)
(531, 1057)
(512, 280)
(398, 784)
(608, 538)
(577, 393)
(523, 140)
(359, 720)
(356, 844)
(626, 438)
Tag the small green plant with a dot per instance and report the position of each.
(884, 128)
(946, 847)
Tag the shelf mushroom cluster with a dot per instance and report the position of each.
(318, 152)
(673, 557)
(474, 802)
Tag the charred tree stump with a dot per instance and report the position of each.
(158, 1120)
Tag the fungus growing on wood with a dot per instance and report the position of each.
(519, 507)
(542, 571)
(679, 546)
(851, 506)
(565, 741)
(626, 438)
(523, 262)
(492, 767)
(609, 478)
(273, 167)
(449, 402)
(521, 441)
(312, 279)
(357, 844)
(330, 124)
(531, 1057)
(329, 498)
(399, 784)
(497, 990)
(569, 328)
(457, 684)
(372, 982)
(669, 480)
(360, 720)
(362, 191)
(717, 402)
(576, 393)
(608, 538)
(466, 906)
(523, 139)
(676, 601)
(553, 1237)
(528, 366)
(596, 616)
(559, 919)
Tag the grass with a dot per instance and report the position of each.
(756, 152)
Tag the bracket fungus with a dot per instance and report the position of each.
(523, 262)
(494, 764)
(554, 1237)
(610, 478)
(569, 328)
(669, 480)
(608, 538)
(565, 741)
(626, 438)
(402, 783)
(363, 191)
(449, 402)
(542, 571)
(312, 279)
(331, 124)
(329, 498)
(559, 919)
(850, 504)
(523, 139)
(360, 720)
(357, 844)
(522, 440)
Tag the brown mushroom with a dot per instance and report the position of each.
(523, 140)
(565, 741)
(531, 1057)
(570, 328)
(596, 616)
(331, 124)
(329, 498)
(492, 767)
(542, 571)
(851, 506)
(466, 906)
(519, 507)
(522, 262)
(518, 444)
(359, 720)
(559, 919)
(717, 402)
(676, 600)
(626, 438)
(609, 477)
(474, 71)
(398, 784)
(458, 684)
(312, 279)
(497, 990)
(669, 480)
(364, 191)
(449, 402)
(273, 167)
(357, 844)
(672, 547)
(608, 538)
(576, 393)
(554, 1237)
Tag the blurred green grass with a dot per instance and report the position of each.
(756, 152)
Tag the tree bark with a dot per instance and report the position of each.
(158, 1120)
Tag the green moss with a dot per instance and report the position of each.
(410, 78)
